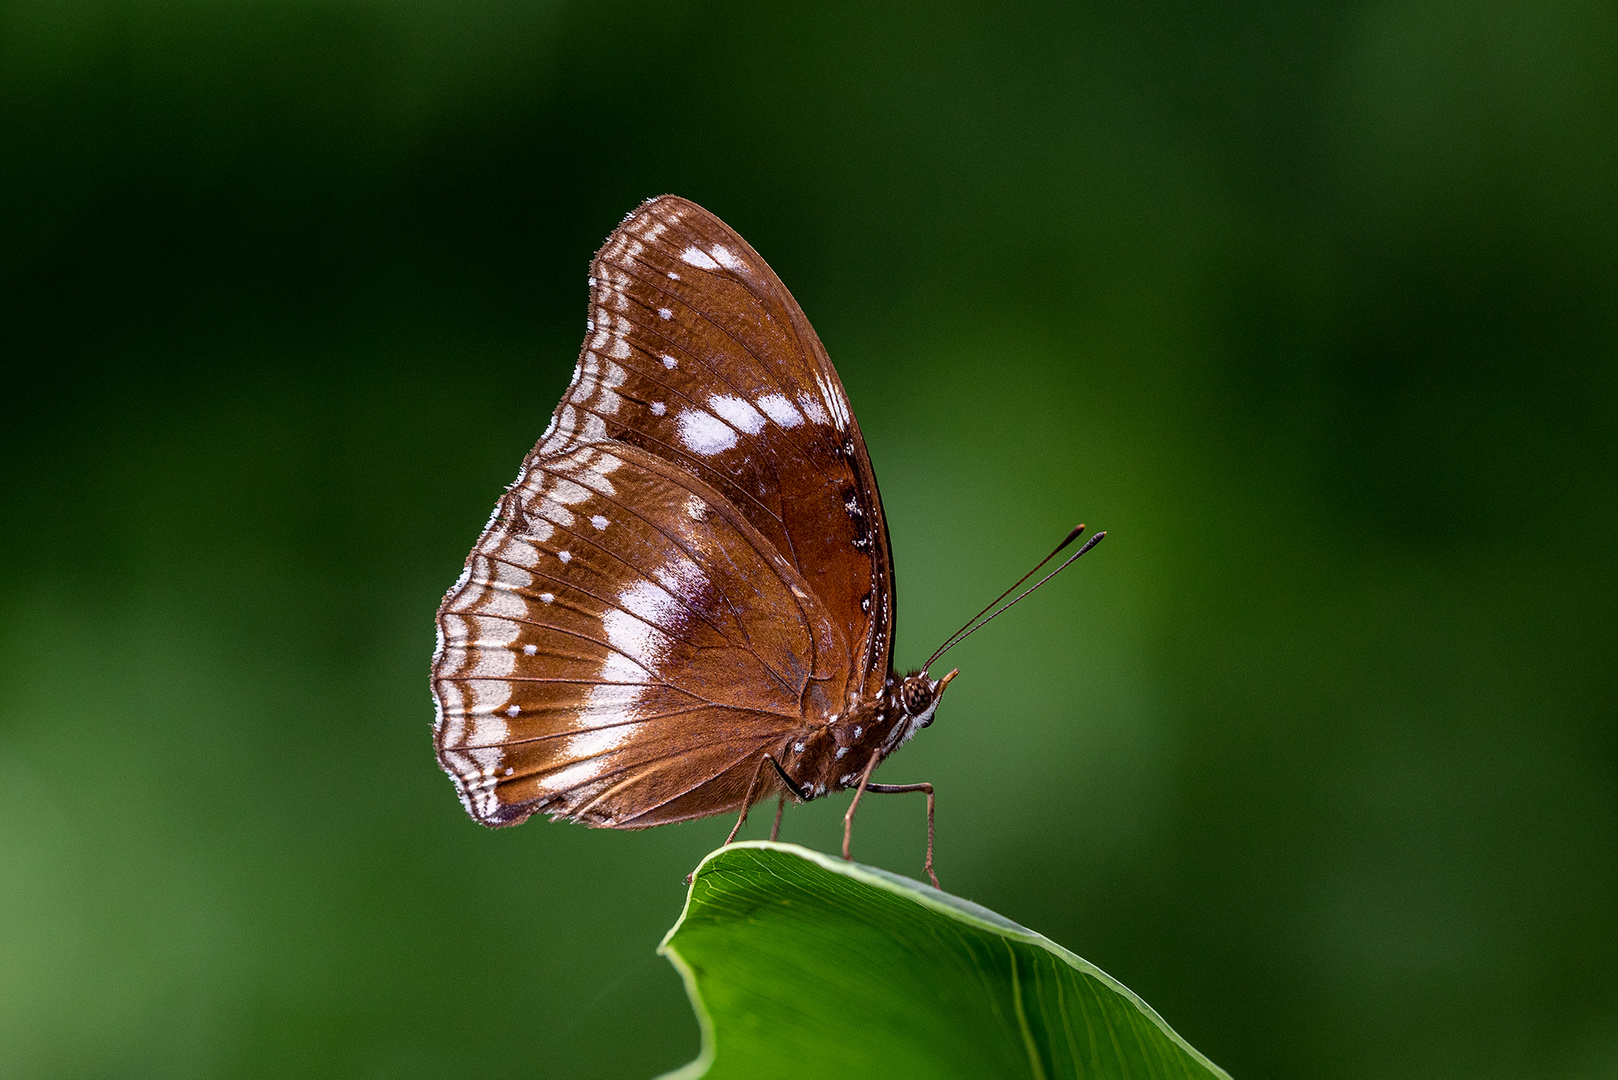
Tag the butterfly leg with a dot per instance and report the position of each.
(848, 818)
(900, 789)
(799, 793)
(747, 800)
(781, 804)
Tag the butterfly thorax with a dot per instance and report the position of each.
(834, 757)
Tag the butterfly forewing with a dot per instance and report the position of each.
(700, 355)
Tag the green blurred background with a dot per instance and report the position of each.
(1314, 308)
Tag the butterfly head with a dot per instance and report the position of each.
(919, 694)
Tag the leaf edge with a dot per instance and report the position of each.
(948, 904)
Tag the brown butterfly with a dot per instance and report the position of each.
(685, 602)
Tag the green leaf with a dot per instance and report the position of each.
(800, 964)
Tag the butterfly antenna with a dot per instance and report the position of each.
(1078, 530)
(979, 621)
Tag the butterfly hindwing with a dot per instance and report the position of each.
(622, 637)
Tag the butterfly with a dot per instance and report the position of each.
(685, 602)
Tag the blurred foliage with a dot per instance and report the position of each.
(1314, 308)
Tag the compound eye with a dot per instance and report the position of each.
(916, 698)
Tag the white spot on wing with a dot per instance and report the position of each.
(530, 649)
(669, 362)
(547, 597)
(565, 556)
(573, 775)
(652, 603)
(488, 694)
(834, 400)
(739, 413)
(779, 409)
(705, 434)
(665, 314)
(520, 551)
(569, 493)
(695, 256)
(508, 605)
(638, 646)
(658, 408)
(598, 521)
(813, 409)
(725, 258)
